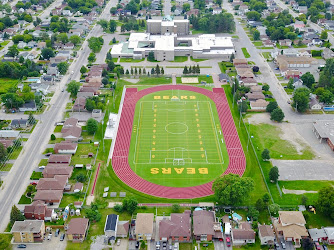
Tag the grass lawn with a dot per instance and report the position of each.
(43, 162)
(236, 37)
(130, 60)
(257, 43)
(267, 55)
(185, 246)
(197, 60)
(36, 175)
(83, 150)
(154, 80)
(58, 129)
(7, 167)
(6, 84)
(299, 46)
(246, 54)
(25, 200)
(205, 78)
(180, 59)
(16, 153)
(282, 47)
(268, 136)
(317, 220)
(5, 241)
(68, 199)
(57, 139)
(191, 136)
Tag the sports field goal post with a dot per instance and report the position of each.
(178, 162)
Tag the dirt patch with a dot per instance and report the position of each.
(288, 131)
(189, 79)
(132, 80)
(298, 192)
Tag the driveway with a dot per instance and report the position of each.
(304, 169)
(123, 245)
(54, 244)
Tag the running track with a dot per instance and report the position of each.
(120, 164)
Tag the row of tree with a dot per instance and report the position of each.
(221, 23)
(191, 70)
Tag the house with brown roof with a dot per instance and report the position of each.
(72, 134)
(177, 228)
(6, 143)
(66, 148)
(244, 72)
(240, 61)
(122, 229)
(77, 229)
(79, 104)
(60, 159)
(51, 171)
(28, 231)
(58, 182)
(291, 225)
(205, 227)
(259, 104)
(49, 196)
(69, 123)
(38, 210)
(247, 82)
(255, 96)
(243, 235)
(78, 187)
(266, 235)
(286, 62)
(144, 226)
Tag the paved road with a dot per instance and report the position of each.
(18, 178)
(167, 7)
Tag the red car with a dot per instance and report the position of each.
(317, 246)
(33, 183)
(228, 241)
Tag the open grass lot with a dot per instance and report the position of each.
(5, 241)
(185, 246)
(7, 167)
(200, 79)
(266, 55)
(58, 129)
(180, 59)
(130, 60)
(246, 54)
(145, 80)
(268, 136)
(6, 84)
(82, 152)
(258, 43)
(197, 60)
(16, 153)
(183, 134)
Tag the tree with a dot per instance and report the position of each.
(265, 155)
(290, 84)
(324, 35)
(308, 79)
(31, 119)
(253, 213)
(105, 81)
(13, 51)
(114, 40)
(144, 71)
(118, 208)
(253, 15)
(274, 208)
(185, 70)
(273, 174)
(277, 115)
(326, 96)
(93, 215)
(186, 7)
(53, 137)
(92, 126)
(266, 198)
(130, 204)
(304, 200)
(47, 53)
(151, 56)
(157, 69)
(265, 87)
(103, 23)
(90, 104)
(232, 189)
(81, 177)
(301, 99)
(112, 26)
(152, 71)
(62, 37)
(21, 59)
(307, 244)
(256, 35)
(3, 152)
(113, 10)
(175, 208)
(16, 215)
(62, 67)
(162, 71)
(242, 106)
(325, 201)
(260, 205)
(91, 57)
(73, 88)
(95, 44)
(75, 39)
(12, 100)
(83, 70)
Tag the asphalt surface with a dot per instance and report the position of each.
(18, 178)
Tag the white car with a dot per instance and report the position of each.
(41, 167)
(118, 242)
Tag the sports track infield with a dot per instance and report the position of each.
(177, 140)
(178, 154)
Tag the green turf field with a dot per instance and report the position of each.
(177, 140)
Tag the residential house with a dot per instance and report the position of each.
(291, 225)
(243, 235)
(122, 229)
(259, 104)
(255, 96)
(68, 46)
(314, 104)
(58, 59)
(295, 74)
(284, 62)
(52, 70)
(290, 52)
(66, 148)
(79, 104)
(327, 53)
(28, 231)
(19, 123)
(41, 45)
(77, 229)
(67, 13)
(78, 187)
(317, 41)
(330, 234)
(193, 12)
(203, 225)
(144, 226)
(21, 45)
(216, 11)
(329, 25)
(32, 44)
(28, 106)
(224, 78)
(304, 52)
(60, 159)
(110, 227)
(302, 9)
(38, 210)
(6, 143)
(47, 79)
(62, 169)
(299, 25)
(73, 134)
(177, 228)
(298, 83)
(69, 123)
(266, 235)
(58, 182)
(239, 61)
(285, 42)
(9, 134)
(318, 235)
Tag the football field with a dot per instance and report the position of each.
(177, 139)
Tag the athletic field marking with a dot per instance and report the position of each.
(186, 130)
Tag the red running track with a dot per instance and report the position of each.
(237, 161)
(97, 173)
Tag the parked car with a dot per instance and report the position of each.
(137, 244)
(164, 245)
(176, 246)
(317, 246)
(21, 246)
(49, 236)
(62, 237)
(118, 242)
(283, 245)
(48, 154)
(157, 245)
(228, 241)
(57, 232)
(325, 247)
(41, 167)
